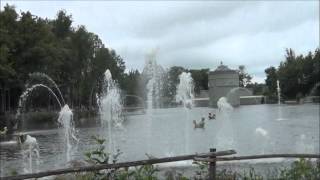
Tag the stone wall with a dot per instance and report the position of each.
(252, 100)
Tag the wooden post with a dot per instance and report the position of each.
(212, 166)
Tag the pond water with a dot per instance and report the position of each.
(255, 129)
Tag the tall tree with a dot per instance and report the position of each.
(172, 81)
(62, 24)
(244, 77)
(271, 80)
(200, 79)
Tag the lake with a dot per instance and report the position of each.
(253, 129)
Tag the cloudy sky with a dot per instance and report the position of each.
(195, 34)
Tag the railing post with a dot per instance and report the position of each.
(212, 166)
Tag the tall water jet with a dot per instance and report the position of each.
(185, 90)
(280, 118)
(152, 73)
(278, 92)
(110, 107)
(69, 133)
(184, 95)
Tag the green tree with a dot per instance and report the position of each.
(200, 79)
(172, 79)
(290, 74)
(62, 24)
(297, 74)
(8, 24)
(271, 80)
(244, 77)
(75, 58)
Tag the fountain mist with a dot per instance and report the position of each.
(185, 95)
(66, 121)
(110, 108)
(223, 104)
(225, 135)
(152, 72)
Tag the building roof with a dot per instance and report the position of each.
(223, 69)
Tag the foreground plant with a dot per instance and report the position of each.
(100, 156)
(303, 169)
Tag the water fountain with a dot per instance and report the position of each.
(184, 95)
(24, 96)
(152, 72)
(66, 121)
(278, 92)
(280, 118)
(225, 134)
(185, 90)
(223, 105)
(65, 116)
(30, 148)
(168, 131)
(110, 107)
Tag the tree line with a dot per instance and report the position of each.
(298, 75)
(74, 57)
(77, 59)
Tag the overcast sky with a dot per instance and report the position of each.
(195, 34)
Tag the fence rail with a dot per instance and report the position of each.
(264, 156)
(210, 157)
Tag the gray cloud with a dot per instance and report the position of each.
(196, 34)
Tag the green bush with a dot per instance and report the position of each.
(303, 169)
(300, 170)
(100, 156)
